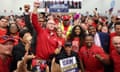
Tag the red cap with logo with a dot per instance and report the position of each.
(66, 17)
(6, 38)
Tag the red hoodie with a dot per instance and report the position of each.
(46, 43)
(75, 44)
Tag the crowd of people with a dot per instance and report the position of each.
(38, 42)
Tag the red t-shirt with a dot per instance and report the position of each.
(4, 65)
(16, 38)
(88, 57)
(3, 32)
(61, 41)
(116, 60)
(75, 44)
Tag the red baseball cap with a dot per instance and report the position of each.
(66, 17)
(6, 38)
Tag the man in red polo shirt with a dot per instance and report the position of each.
(115, 54)
(46, 37)
(6, 46)
(93, 56)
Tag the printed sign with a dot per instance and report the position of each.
(58, 8)
(69, 64)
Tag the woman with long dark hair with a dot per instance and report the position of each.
(76, 37)
(13, 30)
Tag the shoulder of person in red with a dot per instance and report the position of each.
(61, 39)
(4, 65)
(3, 32)
(113, 34)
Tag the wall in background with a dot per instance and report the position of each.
(12, 6)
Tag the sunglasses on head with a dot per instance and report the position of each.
(41, 21)
(7, 37)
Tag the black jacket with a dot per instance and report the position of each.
(17, 53)
(32, 31)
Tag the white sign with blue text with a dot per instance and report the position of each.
(68, 64)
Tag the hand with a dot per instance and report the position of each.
(36, 4)
(57, 50)
(55, 67)
(27, 46)
(27, 57)
(99, 57)
(28, 39)
(21, 65)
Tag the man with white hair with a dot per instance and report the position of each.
(47, 43)
(115, 54)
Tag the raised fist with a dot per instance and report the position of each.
(36, 4)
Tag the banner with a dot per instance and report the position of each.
(69, 64)
(58, 8)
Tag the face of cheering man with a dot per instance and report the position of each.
(92, 30)
(6, 45)
(116, 43)
(51, 25)
(89, 40)
(117, 28)
(3, 23)
(66, 20)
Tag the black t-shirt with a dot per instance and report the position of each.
(64, 55)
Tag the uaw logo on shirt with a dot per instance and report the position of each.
(69, 64)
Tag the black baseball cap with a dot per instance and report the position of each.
(68, 43)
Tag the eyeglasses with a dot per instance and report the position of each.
(41, 21)
(51, 23)
(69, 46)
